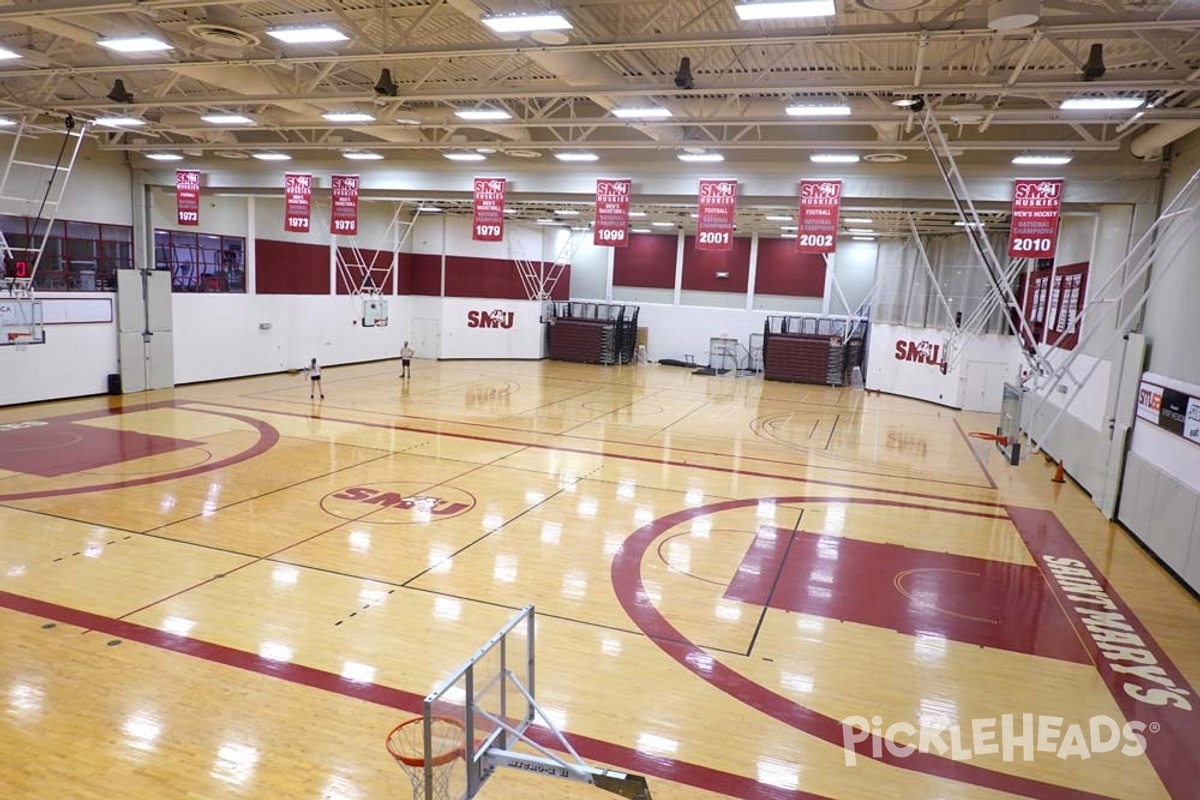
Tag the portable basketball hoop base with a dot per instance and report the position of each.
(473, 717)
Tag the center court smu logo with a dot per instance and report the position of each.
(923, 352)
(407, 503)
(498, 318)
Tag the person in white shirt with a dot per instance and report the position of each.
(406, 354)
(314, 374)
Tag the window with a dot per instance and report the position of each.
(78, 256)
(201, 262)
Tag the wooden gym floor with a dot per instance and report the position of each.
(226, 590)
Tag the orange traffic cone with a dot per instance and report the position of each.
(1058, 474)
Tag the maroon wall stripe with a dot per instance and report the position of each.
(648, 261)
(783, 271)
(700, 267)
(425, 274)
(468, 276)
(290, 267)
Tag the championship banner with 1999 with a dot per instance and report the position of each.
(187, 196)
(297, 201)
(343, 220)
(488, 223)
(1036, 206)
(717, 208)
(612, 214)
(816, 228)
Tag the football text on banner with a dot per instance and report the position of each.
(717, 208)
(187, 196)
(488, 224)
(297, 202)
(1036, 206)
(816, 229)
(343, 220)
(612, 214)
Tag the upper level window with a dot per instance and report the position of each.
(77, 257)
(201, 262)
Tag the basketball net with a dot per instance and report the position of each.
(430, 776)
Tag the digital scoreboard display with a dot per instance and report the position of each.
(16, 268)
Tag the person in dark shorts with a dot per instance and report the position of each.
(406, 354)
(314, 376)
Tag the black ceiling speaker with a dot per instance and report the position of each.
(119, 93)
(683, 77)
(1093, 68)
(385, 86)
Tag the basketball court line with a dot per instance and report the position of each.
(641, 459)
(591, 749)
(766, 606)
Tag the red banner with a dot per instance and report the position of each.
(488, 224)
(343, 220)
(1036, 206)
(816, 230)
(297, 201)
(717, 207)
(612, 214)
(187, 196)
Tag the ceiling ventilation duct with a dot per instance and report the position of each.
(1010, 15)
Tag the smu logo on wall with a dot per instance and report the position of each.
(922, 352)
(499, 318)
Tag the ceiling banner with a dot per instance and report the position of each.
(488, 225)
(717, 208)
(612, 214)
(187, 196)
(297, 201)
(343, 220)
(817, 226)
(1036, 206)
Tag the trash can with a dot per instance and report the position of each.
(114, 384)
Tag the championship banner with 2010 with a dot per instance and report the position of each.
(1036, 206)
(612, 214)
(343, 219)
(488, 223)
(297, 201)
(187, 196)
(717, 209)
(816, 228)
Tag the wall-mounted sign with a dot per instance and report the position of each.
(1170, 409)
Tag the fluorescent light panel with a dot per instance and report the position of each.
(577, 156)
(1102, 103)
(272, 156)
(526, 23)
(867, 231)
(778, 218)
(482, 114)
(429, 209)
(863, 238)
(566, 212)
(348, 116)
(308, 34)
(360, 156)
(164, 157)
(640, 230)
(465, 156)
(663, 224)
(120, 122)
(6, 54)
(701, 158)
(227, 119)
(652, 112)
(784, 9)
(858, 221)
(637, 213)
(133, 44)
(833, 158)
(817, 111)
(5, 122)
(1041, 161)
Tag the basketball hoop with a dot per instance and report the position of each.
(406, 744)
(21, 339)
(982, 442)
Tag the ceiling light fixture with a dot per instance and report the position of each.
(348, 116)
(164, 157)
(637, 213)
(307, 34)
(527, 23)
(778, 218)
(545, 221)
(833, 158)
(272, 156)
(429, 209)
(5, 122)
(120, 122)
(640, 230)
(133, 44)
(566, 212)
(577, 156)
(649, 112)
(1101, 103)
(465, 156)
(362, 155)
(784, 9)
(663, 224)
(817, 111)
(858, 221)
(482, 114)
(1041, 161)
(701, 158)
(227, 119)
(6, 54)
(863, 238)
(865, 231)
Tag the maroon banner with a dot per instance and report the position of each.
(187, 196)
(717, 207)
(1036, 206)
(612, 214)
(488, 223)
(820, 203)
(297, 201)
(343, 219)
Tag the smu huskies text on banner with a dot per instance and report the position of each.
(187, 196)
(816, 230)
(297, 202)
(488, 225)
(1035, 209)
(344, 218)
(612, 214)
(717, 207)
